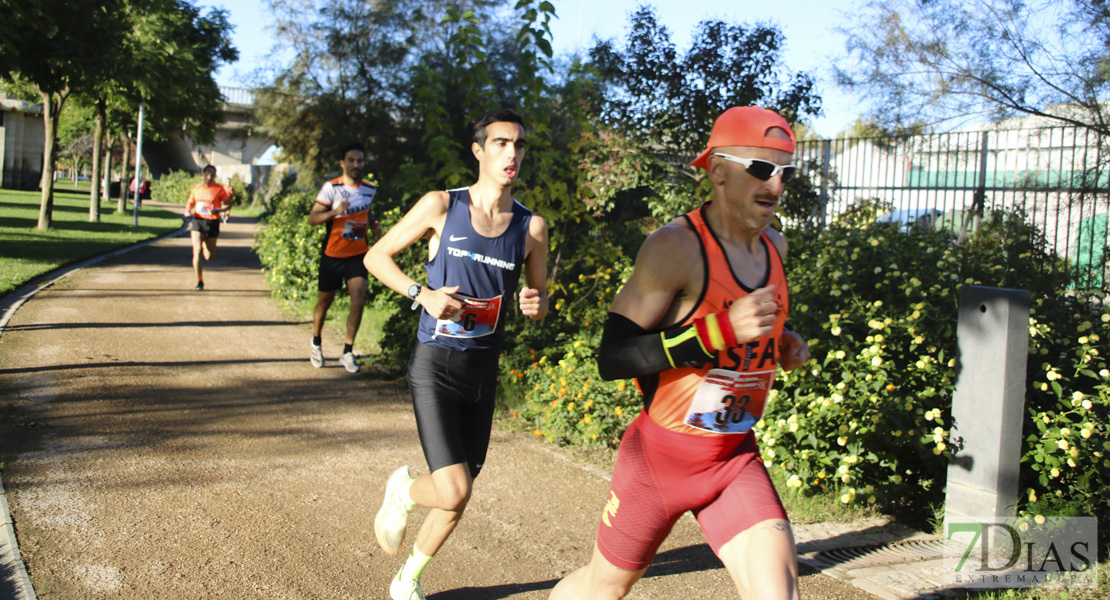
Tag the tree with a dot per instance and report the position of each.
(656, 106)
(57, 47)
(944, 63)
(173, 52)
(352, 77)
(161, 51)
(670, 100)
(75, 142)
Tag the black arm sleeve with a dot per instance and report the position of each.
(628, 350)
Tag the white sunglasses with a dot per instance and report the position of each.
(761, 169)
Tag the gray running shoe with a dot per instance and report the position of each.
(393, 516)
(349, 362)
(316, 356)
(403, 588)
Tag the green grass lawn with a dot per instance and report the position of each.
(63, 184)
(26, 252)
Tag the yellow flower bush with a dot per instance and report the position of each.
(599, 413)
(884, 360)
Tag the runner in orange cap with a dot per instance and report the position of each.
(703, 343)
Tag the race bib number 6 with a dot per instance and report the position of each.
(729, 401)
(478, 317)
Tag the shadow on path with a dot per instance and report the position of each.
(157, 325)
(493, 592)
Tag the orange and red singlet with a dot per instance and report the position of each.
(727, 396)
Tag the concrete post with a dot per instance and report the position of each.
(989, 402)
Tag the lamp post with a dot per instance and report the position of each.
(138, 171)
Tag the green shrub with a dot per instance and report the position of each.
(399, 328)
(289, 247)
(865, 417)
(173, 187)
(868, 419)
(566, 402)
(240, 191)
(549, 371)
(561, 397)
(276, 186)
(556, 392)
(1066, 453)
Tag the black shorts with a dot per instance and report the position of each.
(334, 271)
(206, 227)
(453, 397)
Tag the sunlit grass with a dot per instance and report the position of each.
(26, 252)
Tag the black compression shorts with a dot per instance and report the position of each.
(453, 398)
(206, 227)
(334, 271)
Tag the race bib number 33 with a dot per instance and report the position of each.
(729, 401)
(478, 317)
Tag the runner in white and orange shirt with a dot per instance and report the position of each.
(208, 204)
(343, 206)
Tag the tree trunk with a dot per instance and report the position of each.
(51, 107)
(94, 175)
(122, 206)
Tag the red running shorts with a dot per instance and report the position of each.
(661, 474)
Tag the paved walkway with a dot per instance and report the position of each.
(165, 443)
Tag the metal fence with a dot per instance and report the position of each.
(1057, 176)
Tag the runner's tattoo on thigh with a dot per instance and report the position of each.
(780, 526)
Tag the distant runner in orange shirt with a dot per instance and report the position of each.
(208, 204)
(343, 206)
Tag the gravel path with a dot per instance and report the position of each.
(165, 443)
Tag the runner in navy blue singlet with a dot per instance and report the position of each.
(481, 241)
(484, 269)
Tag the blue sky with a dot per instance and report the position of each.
(812, 42)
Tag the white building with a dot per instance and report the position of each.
(21, 144)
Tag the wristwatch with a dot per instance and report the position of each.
(414, 291)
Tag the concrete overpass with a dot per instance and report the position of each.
(237, 149)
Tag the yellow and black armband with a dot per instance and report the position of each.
(628, 350)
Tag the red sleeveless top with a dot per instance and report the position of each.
(726, 397)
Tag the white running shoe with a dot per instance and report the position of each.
(316, 356)
(403, 588)
(393, 516)
(349, 362)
